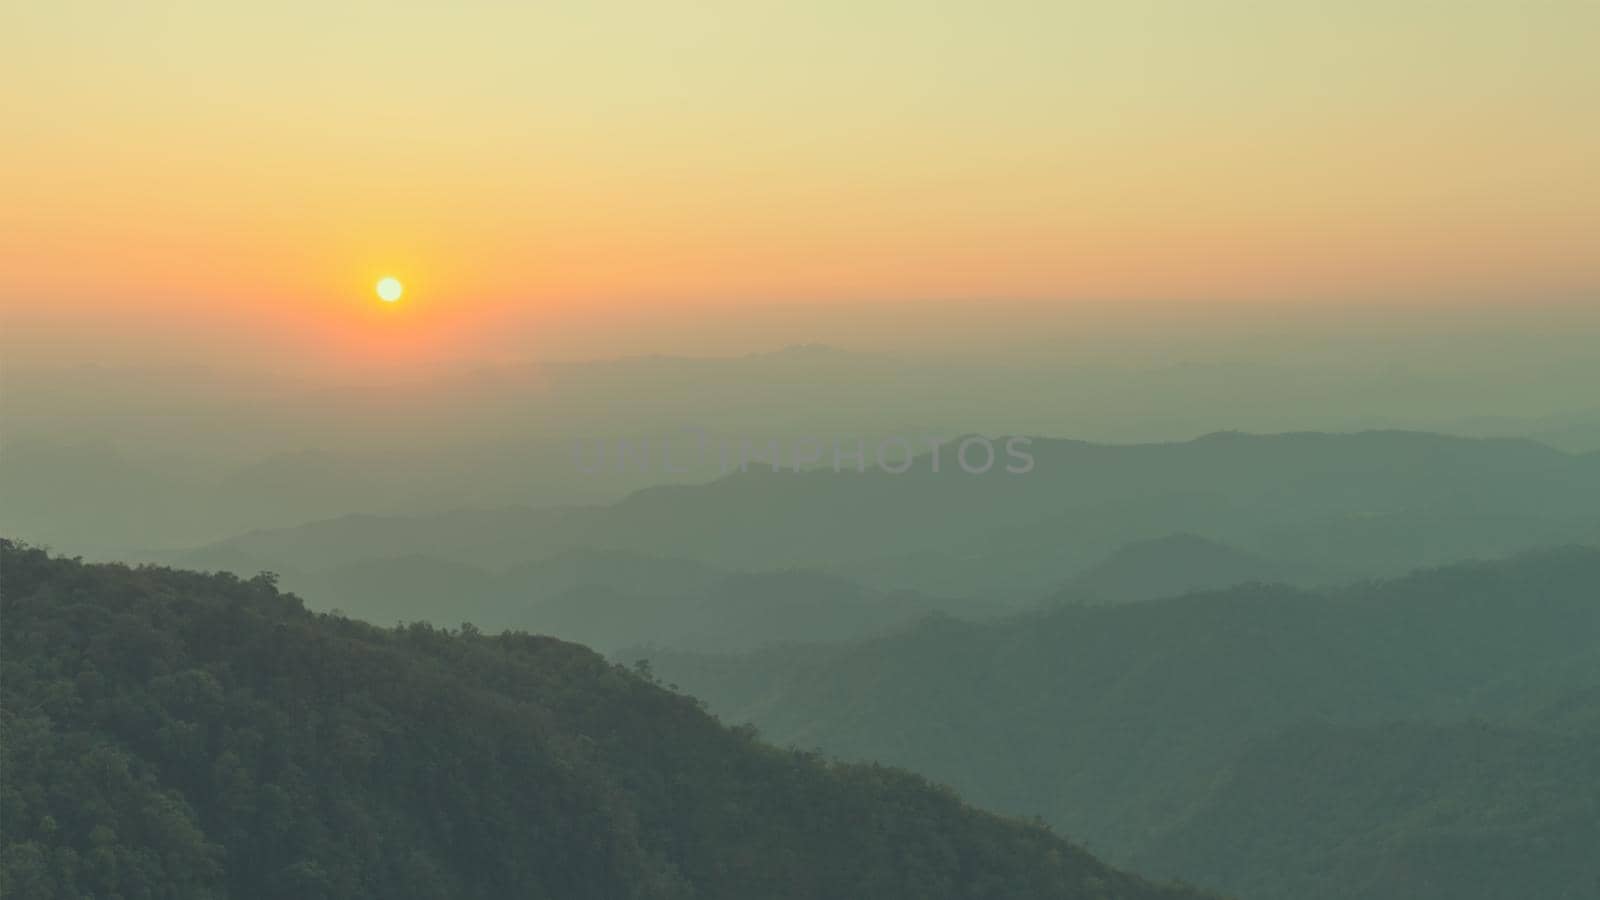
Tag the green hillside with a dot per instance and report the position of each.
(175, 735)
(1399, 811)
(1146, 729)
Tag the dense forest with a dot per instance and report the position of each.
(1468, 810)
(169, 734)
(1429, 737)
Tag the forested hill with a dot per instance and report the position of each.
(1422, 738)
(175, 735)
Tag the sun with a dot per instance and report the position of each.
(390, 289)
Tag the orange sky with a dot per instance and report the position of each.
(243, 174)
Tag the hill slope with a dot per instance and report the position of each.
(1118, 723)
(1467, 810)
(170, 734)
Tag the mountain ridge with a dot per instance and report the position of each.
(171, 733)
(1114, 723)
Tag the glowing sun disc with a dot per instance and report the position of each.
(390, 289)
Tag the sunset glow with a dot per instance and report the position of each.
(575, 162)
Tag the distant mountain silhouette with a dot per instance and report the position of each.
(637, 573)
(610, 599)
(411, 588)
(1173, 565)
(1343, 505)
(1576, 431)
(1121, 724)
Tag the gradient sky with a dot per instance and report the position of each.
(228, 178)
